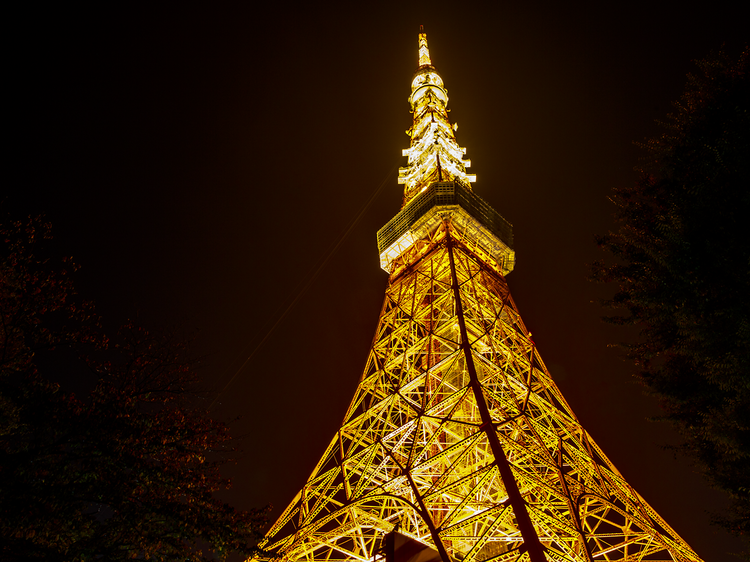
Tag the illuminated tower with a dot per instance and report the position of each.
(457, 436)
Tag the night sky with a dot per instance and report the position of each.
(201, 161)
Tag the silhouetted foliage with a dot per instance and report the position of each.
(683, 270)
(126, 471)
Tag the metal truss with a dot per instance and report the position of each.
(458, 437)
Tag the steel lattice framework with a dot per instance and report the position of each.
(457, 435)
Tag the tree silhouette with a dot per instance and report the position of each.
(128, 469)
(682, 265)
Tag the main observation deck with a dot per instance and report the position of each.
(448, 201)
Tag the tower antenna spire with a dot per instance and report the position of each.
(434, 154)
(424, 50)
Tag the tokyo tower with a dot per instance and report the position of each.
(457, 444)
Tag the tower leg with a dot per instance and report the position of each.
(530, 537)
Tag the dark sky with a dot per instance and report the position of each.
(200, 161)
